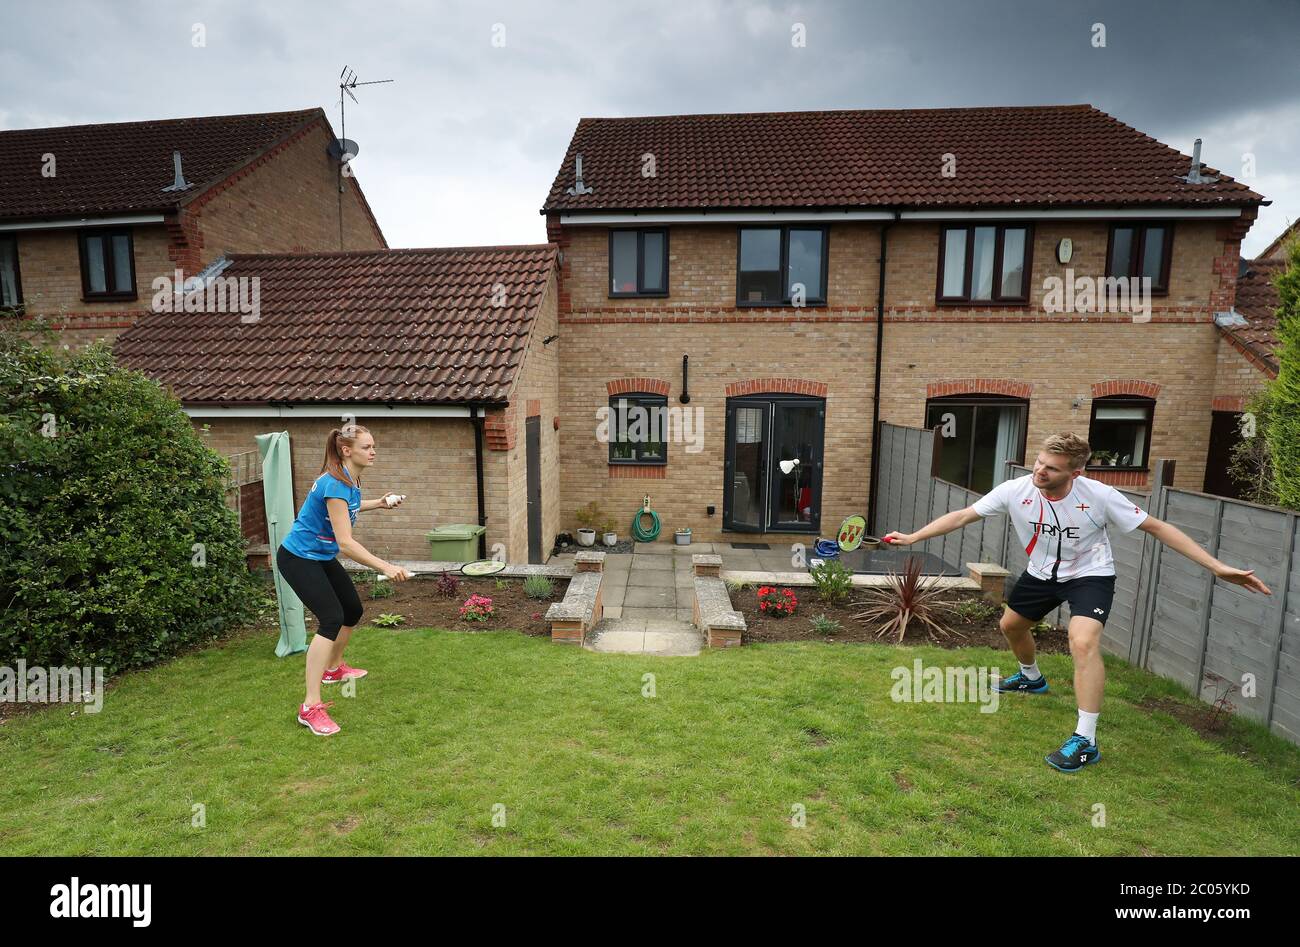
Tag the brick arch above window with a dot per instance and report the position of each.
(651, 386)
(1126, 386)
(783, 386)
(979, 386)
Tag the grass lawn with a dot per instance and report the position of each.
(450, 724)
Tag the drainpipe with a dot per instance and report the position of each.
(477, 415)
(875, 394)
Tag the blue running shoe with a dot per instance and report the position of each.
(1019, 684)
(1074, 754)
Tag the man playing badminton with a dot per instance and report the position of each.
(1062, 518)
(306, 560)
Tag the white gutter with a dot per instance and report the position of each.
(1145, 213)
(67, 223)
(821, 217)
(726, 217)
(359, 411)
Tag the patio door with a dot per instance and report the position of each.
(773, 468)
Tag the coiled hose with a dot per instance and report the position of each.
(645, 535)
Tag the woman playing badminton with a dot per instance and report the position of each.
(306, 560)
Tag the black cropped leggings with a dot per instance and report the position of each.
(325, 587)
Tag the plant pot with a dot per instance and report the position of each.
(682, 536)
(869, 544)
(611, 539)
(586, 537)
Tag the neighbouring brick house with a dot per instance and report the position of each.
(692, 236)
(1247, 357)
(89, 219)
(446, 355)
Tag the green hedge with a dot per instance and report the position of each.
(105, 488)
(1283, 429)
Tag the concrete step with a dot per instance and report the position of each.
(644, 636)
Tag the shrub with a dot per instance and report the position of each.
(106, 494)
(476, 608)
(538, 586)
(825, 626)
(590, 516)
(905, 598)
(834, 582)
(777, 602)
(447, 585)
(735, 586)
(976, 609)
(381, 589)
(388, 620)
(1283, 427)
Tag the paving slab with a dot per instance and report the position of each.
(684, 643)
(660, 614)
(657, 563)
(652, 549)
(618, 640)
(650, 578)
(643, 597)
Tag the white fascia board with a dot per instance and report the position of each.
(827, 216)
(725, 217)
(68, 223)
(359, 411)
(1143, 213)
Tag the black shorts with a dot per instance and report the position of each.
(325, 587)
(1090, 596)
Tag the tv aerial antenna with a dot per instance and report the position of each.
(341, 149)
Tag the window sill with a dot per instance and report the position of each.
(110, 298)
(981, 304)
(637, 296)
(1107, 469)
(821, 304)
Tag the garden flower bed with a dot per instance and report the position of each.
(420, 603)
(971, 630)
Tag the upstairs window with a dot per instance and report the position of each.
(11, 289)
(638, 429)
(777, 266)
(985, 263)
(1141, 250)
(107, 265)
(1120, 433)
(638, 263)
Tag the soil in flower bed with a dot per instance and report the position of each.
(418, 601)
(762, 627)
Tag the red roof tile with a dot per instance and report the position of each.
(123, 167)
(1257, 301)
(402, 326)
(1031, 156)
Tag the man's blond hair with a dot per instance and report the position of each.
(1070, 445)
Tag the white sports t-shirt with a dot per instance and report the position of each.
(1067, 536)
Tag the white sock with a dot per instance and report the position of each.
(1031, 671)
(1087, 725)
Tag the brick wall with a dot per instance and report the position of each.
(1239, 374)
(429, 459)
(1061, 356)
(286, 201)
(536, 393)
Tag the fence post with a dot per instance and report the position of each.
(1209, 594)
(1157, 507)
(1281, 621)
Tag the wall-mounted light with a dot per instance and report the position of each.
(549, 339)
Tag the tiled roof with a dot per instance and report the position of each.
(1031, 156)
(123, 167)
(1274, 249)
(1257, 301)
(401, 326)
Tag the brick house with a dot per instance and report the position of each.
(802, 275)
(1247, 356)
(89, 216)
(446, 355)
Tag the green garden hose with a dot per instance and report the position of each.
(645, 535)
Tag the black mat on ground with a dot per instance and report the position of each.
(751, 546)
(883, 560)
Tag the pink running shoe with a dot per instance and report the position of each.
(317, 720)
(342, 673)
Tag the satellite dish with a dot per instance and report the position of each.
(344, 146)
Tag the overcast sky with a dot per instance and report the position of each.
(462, 148)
